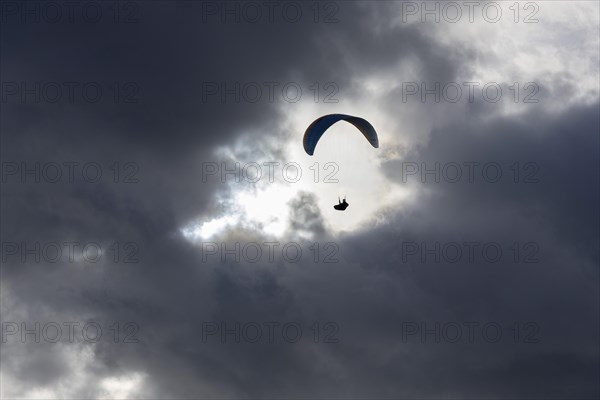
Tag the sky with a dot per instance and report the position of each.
(165, 236)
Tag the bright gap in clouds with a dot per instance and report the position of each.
(266, 206)
(261, 209)
(121, 387)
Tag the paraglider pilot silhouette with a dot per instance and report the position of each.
(320, 125)
(342, 205)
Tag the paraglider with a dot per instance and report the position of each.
(320, 125)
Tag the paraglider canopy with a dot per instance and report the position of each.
(320, 125)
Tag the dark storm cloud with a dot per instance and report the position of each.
(559, 213)
(169, 57)
(172, 292)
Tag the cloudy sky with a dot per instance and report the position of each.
(165, 236)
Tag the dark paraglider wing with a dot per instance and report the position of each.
(320, 125)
